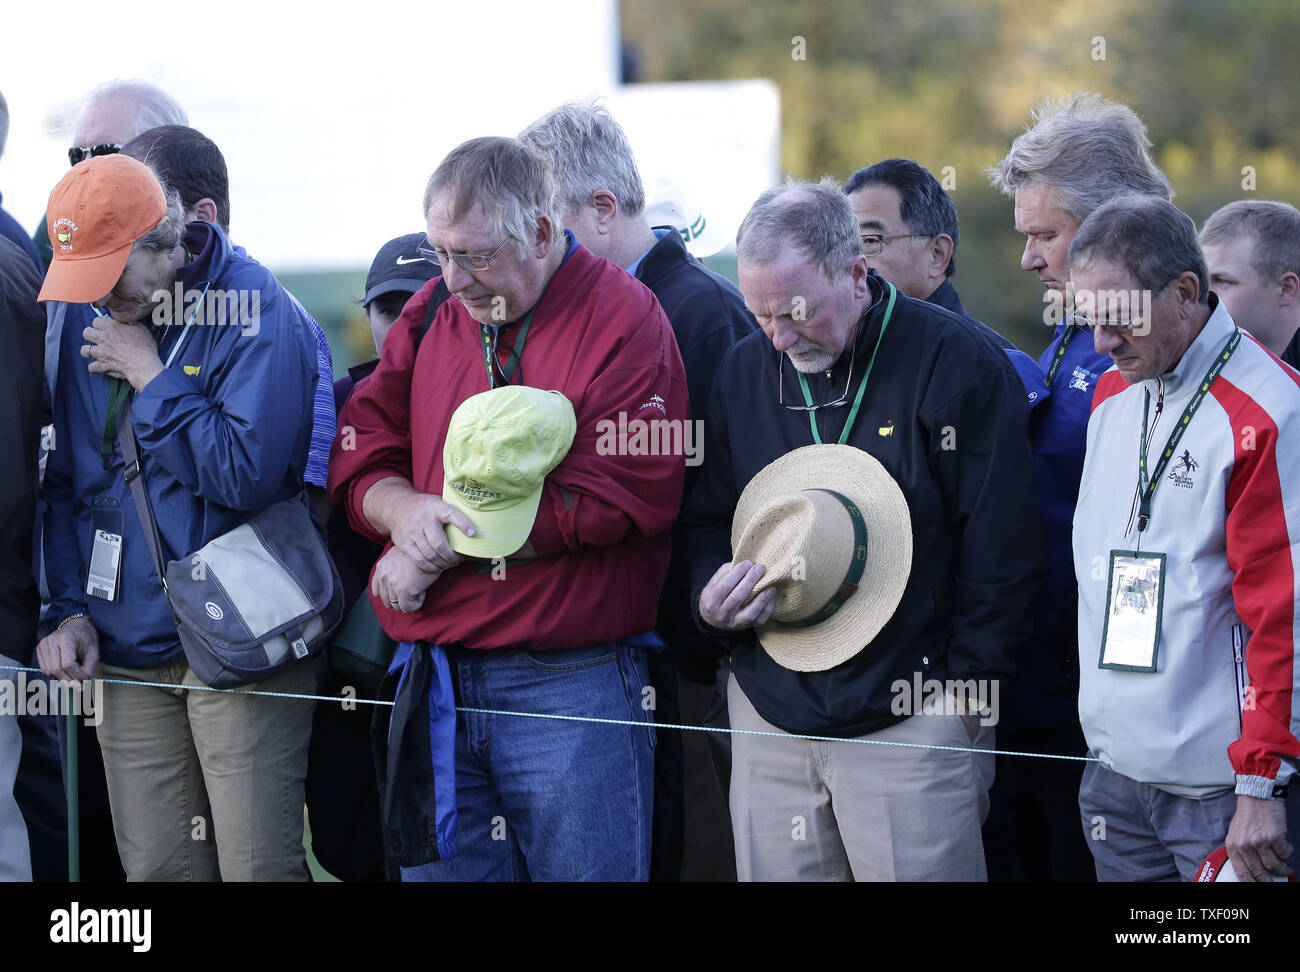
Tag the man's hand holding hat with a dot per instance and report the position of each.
(723, 600)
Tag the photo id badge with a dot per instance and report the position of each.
(105, 571)
(1130, 639)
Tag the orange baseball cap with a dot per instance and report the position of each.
(96, 212)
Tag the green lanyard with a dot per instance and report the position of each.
(1147, 487)
(507, 373)
(862, 387)
(1057, 358)
(117, 391)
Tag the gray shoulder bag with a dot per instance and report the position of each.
(254, 600)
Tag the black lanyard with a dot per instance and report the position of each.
(1066, 336)
(862, 387)
(1147, 488)
(489, 350)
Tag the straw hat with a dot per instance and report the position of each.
(832, 528)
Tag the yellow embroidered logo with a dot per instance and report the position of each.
(192, 369)
(63, 230)
(887, 429)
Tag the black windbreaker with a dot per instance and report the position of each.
(977, 554)
(22, 356)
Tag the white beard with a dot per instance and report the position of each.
(813, 363)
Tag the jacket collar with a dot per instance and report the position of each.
(946, 297)
(670, 252)
(212, 252)
(1196, 360)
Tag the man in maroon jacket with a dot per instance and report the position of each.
(562, 626)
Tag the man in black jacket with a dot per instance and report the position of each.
(22, 338)
(941, 408)
(909, 230)
(604, 206)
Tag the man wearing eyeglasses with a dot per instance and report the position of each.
(844, 358)
(112, 114)
(560, 626)
(909, 236)
(1187, 588)
(1077, 154)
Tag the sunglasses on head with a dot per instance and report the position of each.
(76, 154)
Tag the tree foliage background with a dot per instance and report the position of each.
(951, 83)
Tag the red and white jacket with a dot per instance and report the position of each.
(1223, 706)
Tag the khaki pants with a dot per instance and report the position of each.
(843, 811)
(206, 786)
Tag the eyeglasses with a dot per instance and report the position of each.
(872, 245)
(476, 262)
(1081, 319)
(76, 155)
(780, 385)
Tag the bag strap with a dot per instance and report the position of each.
(439, 297)
(134, 475)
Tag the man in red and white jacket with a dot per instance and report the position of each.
(1187, 564)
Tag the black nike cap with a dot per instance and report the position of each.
(399, 265)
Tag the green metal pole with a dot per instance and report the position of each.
(74, 816)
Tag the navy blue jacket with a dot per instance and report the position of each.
(11, 230)
(977, 556)
(1045, 691)
(223, 434)
(1030, 375)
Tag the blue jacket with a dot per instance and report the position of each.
(1030, 375)
(223, 434)
(1046, 687)
(10, 229)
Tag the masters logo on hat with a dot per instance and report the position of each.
(96, 213)
(501, 445)
(832, 529)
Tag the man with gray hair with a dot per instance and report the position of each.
(562, 626)
(603, 203)
(1253, 252)
(944, 414)
(110, 116)
(1077, 154)
(1189, 695)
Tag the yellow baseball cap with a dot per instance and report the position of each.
(501, 445)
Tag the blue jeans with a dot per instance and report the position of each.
(550, 799)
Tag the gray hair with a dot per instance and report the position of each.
(512, 183)
(153, 106)
(167, 234)
(815, 216)
(1273, 226)
(589, 151)
(4, 123)
(1150, 237)
(1089, 149)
